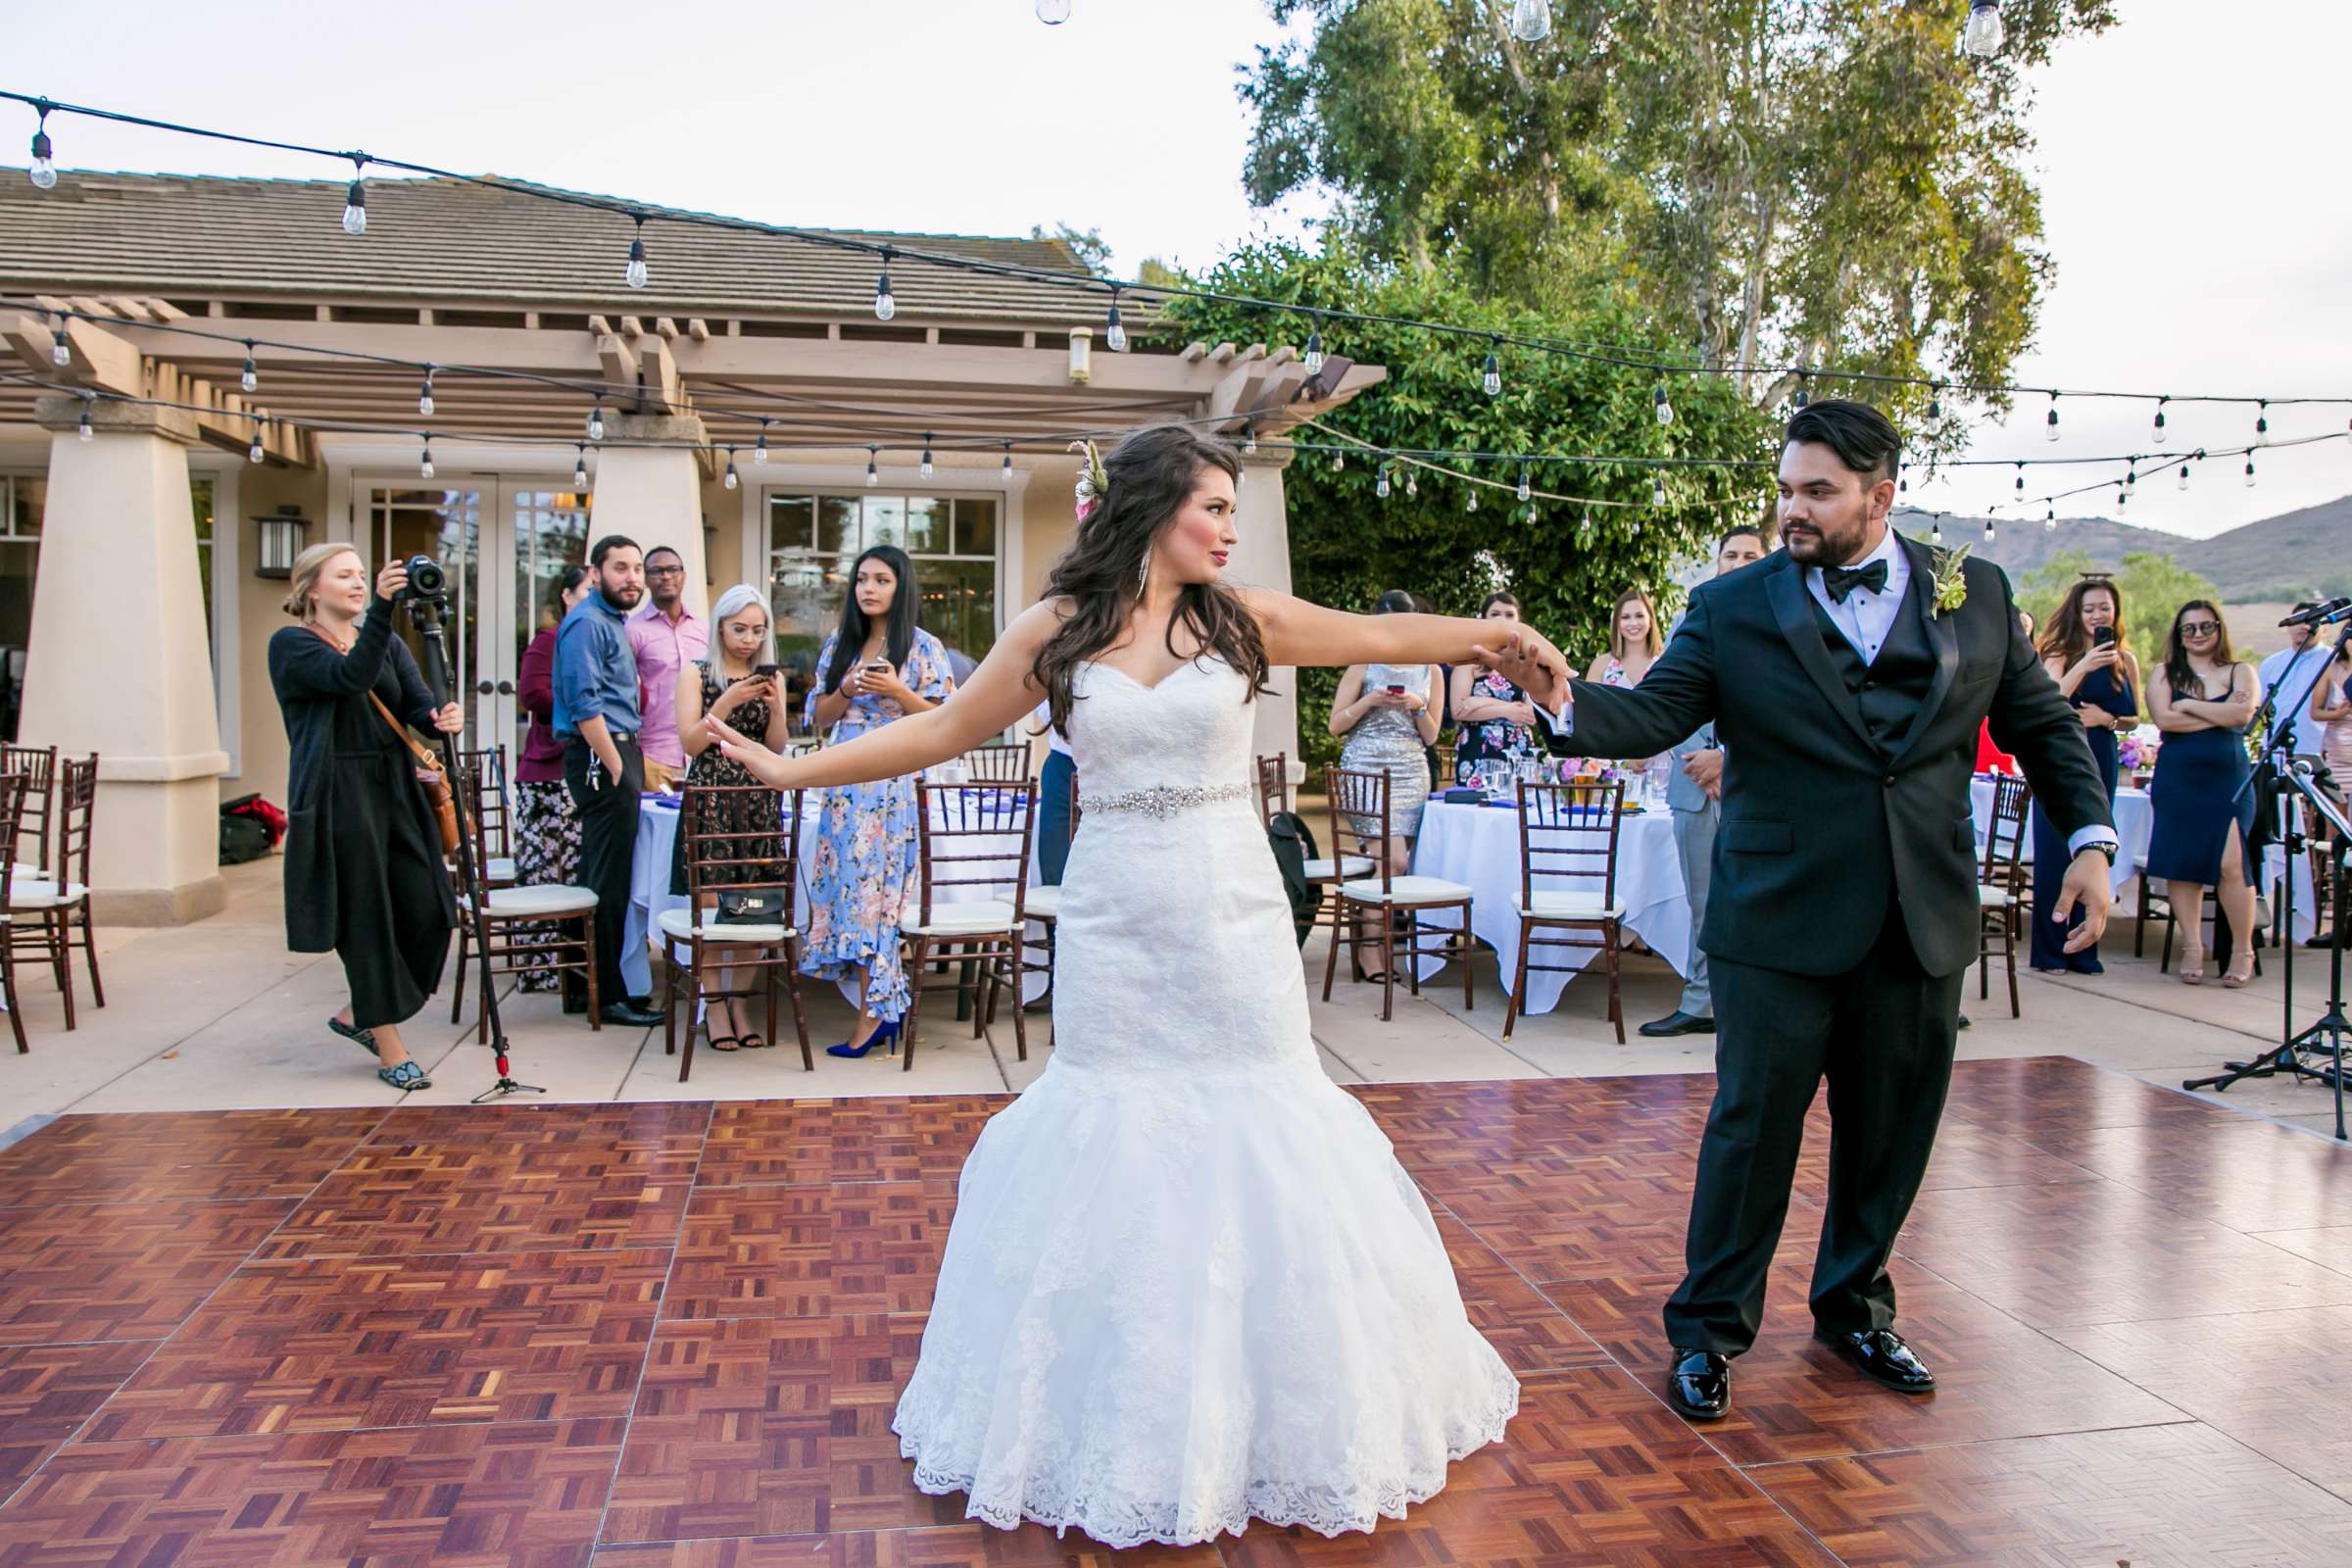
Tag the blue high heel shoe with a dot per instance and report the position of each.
(886, 1033)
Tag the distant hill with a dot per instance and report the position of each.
(2289, 556)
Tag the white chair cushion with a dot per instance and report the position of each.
(1326, 870)
(1406, 890)
(22, 871)
(679, 924)
(977, 919)
(1989, 898)
(537, 903)
(33, 895)
(499, 868)
(1569, 907)
(1040, 904)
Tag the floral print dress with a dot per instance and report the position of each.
(1493, 747)
(861, 856)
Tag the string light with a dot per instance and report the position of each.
(1531, 20)
(1525, 486)
(2159, 427)
(579, 466)
(2020, 481)
(1053, 12)
(1657, 493)
(1902, 476)
(251, 378)
(1248, 440)
(1008, 471)
(1665, 410)
(1491, 381)
(2182, 486)
(731, 480)
(1315, 350)
(1985, 33)
(1803, 394)
(254, 453)
(2132, 477)
(2051, 424)
(2261, 424)
(873, 475)
(1379, 486)
(1531, 512)
(1935, 529)
(355, 201)
(1471, 504)
(596, 423)
(1339, 461)
(760, 452)
(1114, 336)
(636, 273)
(1935, 407)
(926, 455)
(2050, 523)
(1412, 482)
(60, 351)
(886, 305)
(424, 395)
(83, 429)
(424, 464)
(44, 169)
(2249, 470)
(1989, 525)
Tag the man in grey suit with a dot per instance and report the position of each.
(1694, 791)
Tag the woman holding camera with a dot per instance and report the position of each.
(740, 686)
(879, 667)
(2087, 654)
(365, 878)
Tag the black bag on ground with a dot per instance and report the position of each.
(1294, 845)
(242, 839)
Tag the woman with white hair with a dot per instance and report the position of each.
(738, 685)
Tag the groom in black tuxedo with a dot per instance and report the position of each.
(1846, 677)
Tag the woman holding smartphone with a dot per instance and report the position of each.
(2085, 654)
(877, 667)
(1385, 718)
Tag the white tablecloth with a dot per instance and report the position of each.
(649, 895)
(1478, 846)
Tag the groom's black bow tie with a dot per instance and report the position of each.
(1843, 580)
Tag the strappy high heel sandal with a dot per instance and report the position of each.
(2191, 974)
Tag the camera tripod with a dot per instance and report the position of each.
(429, 612)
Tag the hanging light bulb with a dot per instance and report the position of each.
(1471, 504)
(2051, 424)
(1412, 482)
(1935, 407)
(2050, 523)
(59, 350)
(1804, 391)
(2182, 486)
(254, 453)
(2261, 424)
(1985, 33)
(424, 464)
(580, 467)
(1339, 461)
(596, 423)
(251, 378)
(1531, 20)
(926, 455)
(355, 202)
(2021, 479)
(1902, 477)
(2132, 477)
(83, 429)
(1007, 474)
(1379, 486)
(1492, 380)
(1531, 512)
(636, 273)
(1935, 529)
(1053, 12)
(1657, 493)
(760, 452)
(1248, 440)
(43, 170)
(424, 395)
(1315, 350)
(873, 475)
(1525, 487)
(1989, 525)
(2160, 403)
(2249, 472)
(1665, 410)
(1115, 335)
(885, 304)
(731, 481)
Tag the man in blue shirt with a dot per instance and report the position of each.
(597, 720)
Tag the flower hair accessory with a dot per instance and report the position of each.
(1093, 484)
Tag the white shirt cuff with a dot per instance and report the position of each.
(2086, 837)
(1562, 723)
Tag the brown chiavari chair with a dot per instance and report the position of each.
(38, 764)
(972, 836)
(1382, 896)
(1568, 838)
(2001, 898)
(1273, 786)
(723, 858)
(1005, 763)
(43, 913)
(1326, 872)
(14, 788)
(493, 804)
(2153, 900)
(526, 927)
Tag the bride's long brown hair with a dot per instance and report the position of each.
(1152, 473)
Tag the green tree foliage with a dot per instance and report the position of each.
(1568, 564)
(1807, 181)
(2154, 586)
(1087, 244)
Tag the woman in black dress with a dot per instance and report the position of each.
(2085, 654)
(365, 878)
(727, 686)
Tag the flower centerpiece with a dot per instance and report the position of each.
(2136, 750)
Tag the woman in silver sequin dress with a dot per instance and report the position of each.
(1388, 722)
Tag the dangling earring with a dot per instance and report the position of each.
(1143, 573)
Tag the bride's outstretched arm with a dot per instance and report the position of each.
(1300, 633)
(997, 694)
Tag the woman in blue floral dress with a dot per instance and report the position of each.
(878, 666)
(1496, 724)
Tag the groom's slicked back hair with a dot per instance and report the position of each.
(1864, 439)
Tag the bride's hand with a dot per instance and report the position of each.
(766, 766)
(1527, 660)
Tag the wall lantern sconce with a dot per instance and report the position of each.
(282, 536)
(1082, 354)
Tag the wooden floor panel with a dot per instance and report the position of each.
(673, 1336)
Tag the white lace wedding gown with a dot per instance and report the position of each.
(1188, 1284)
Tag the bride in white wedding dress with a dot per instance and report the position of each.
(1188, 1284)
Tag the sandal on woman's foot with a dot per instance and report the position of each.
(2192, 974)
(407, 1077)
(727, 1043)
(2232, 980)
(753, 1040)
(361, 1037)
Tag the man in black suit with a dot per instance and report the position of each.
(1846, 677)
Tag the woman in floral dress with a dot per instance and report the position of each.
(1497, 721)
(878, 666)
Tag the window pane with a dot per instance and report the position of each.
(926, 526)
(837, 525)
(805, 593)
(959, 604)
(885, 521)
(791, 522)
(31, 494)
(200, 499)
(976, 526)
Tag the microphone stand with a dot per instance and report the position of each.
(428, 612)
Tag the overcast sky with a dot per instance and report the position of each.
(2191, 161)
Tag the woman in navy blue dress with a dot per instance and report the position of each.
(2085, 653)
(2202, 699)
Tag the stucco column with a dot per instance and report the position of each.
(1262, 560)
(118, 661)
(654, 495)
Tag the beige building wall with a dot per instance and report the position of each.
(259, 747)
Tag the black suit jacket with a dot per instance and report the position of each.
(1821, 828)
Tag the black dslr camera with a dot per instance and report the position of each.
(426, 581)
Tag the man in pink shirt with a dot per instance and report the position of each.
(665, 635)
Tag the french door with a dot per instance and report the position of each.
(504, 540)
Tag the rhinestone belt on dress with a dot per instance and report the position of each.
(1164, 800)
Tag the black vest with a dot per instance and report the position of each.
(1891, 689)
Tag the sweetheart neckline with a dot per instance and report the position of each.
(1196, 660)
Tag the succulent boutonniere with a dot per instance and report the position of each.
(1951, 581)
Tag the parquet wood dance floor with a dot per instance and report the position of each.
(668, 1336)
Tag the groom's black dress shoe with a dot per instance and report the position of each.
(1679, 1022)
(1881, 1356)
(1699, 1384)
